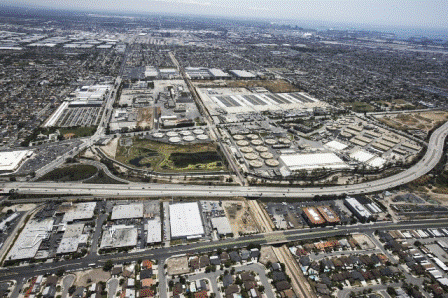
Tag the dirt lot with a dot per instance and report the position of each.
(176, 266)
(363, 241)
(19, 207)
(85, 278)
(240, 218)
(424, 120)
(111, 148)
(275, 86)
(267, 255)
(145, 117)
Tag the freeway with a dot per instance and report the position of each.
(163, 253)
(422, 167)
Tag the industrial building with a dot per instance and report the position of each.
(29, 241)
(222, 225)
(154, 228)
(119, 236)
(186, 221)
(80, 211)
(309, 162)
(10, 161)
(72, 238)
(313, 216)
(328, 214)
(127, 211)
(357, 209)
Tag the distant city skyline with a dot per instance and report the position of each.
(400, 13)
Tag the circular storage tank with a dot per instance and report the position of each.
(251, 156)
(261, 148)
(256, 164)
(271, 162)
(185, 133)
(172, 134)
(238, 137)
(174, 140)
(256, 142)
(252, 137)
(266, 155)
(284, 141)
(246, 149)
(201, 137)
(158, 135)
(188, 138)
(198, 131)
(270, 141)
(242, 143)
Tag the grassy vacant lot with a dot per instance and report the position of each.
(275, 86)
(162, 157)
(79, 131)
(70, 173)
(360, 107)
(424, 121)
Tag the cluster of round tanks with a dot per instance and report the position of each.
(172, 134)
(185, 133)
(252, 137)
(271, 162)
(266, 155)
(201, 137)
(198, 131)
(271, 141)
(158, 135)
(256, 142)
(238, 137)
(174, 140)
(242, 143)
(256, 164)
(284, 141)
(247, 149)
(251, 156)
(261, 148)
(188, 138)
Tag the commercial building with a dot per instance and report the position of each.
(79, 211)
(186, 221)
(11, 160)
(357, 209)
(28, 242)
(222, 225)
(313, 216)
(127, 211)
(154, 228)
(72, 238)
(119, 236)
(309, 162)
(328, 214)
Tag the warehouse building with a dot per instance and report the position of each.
(309, 162)
(222, 226)
(72, 238)
(119, 236)
(10, 161)
(357, 209)
(80, 211)
(186, 221)
(127, 211)
(29, 241)
(154, 228)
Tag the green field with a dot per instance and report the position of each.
(79, 131)
(70, 173)
(361, 107)
(162, 157)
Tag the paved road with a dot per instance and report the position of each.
(426, 164)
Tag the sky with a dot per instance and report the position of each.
(402, 13)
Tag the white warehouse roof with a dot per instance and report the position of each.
(312, 161)
(154, 228)
(222, 225)
(185, 220)
(10, 161)
(336, 145)
(127, 211)
(80, 211)
(362, 155)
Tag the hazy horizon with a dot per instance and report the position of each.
(425, 14)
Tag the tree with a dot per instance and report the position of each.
(108, 265)
(391, 291)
